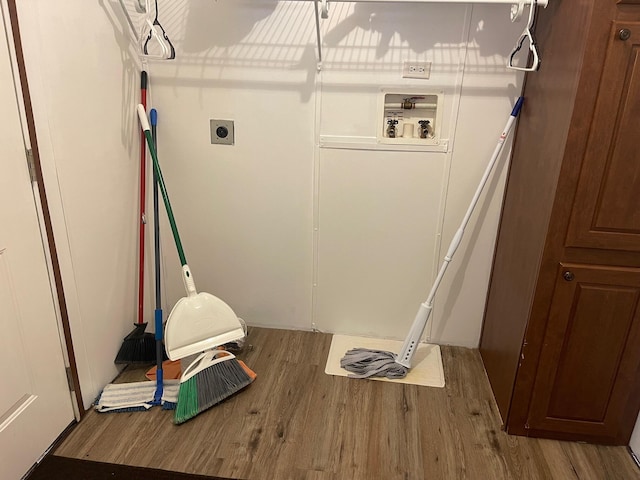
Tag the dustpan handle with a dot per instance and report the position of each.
(204, 361)
(187, 279)
(144, 123)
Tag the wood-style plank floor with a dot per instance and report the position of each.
(296, 422)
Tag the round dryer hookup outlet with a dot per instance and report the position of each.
(222, 132)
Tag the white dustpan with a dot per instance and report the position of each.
(198, 321)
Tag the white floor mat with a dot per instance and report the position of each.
(427, 367)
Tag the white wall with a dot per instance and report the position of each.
(248, 213)
(82, 85)
(343, 240)
(381, 246)
(245, 211)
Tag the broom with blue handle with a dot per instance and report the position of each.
(160, 353)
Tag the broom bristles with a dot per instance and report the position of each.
(138, 347)
(209, 387)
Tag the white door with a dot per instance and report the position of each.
(35, 404)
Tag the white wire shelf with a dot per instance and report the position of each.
(517, 9)
(155, 36)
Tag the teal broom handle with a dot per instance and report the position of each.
(144, 123)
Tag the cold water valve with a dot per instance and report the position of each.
(425, 129)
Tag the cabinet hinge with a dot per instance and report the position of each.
(32, 166)
(70, 379)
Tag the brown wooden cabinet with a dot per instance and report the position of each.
(589, 354)
(561, 334)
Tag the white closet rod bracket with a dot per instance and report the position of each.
(527, 38)
(517, 9)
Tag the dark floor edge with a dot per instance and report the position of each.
(56, 443)
(634, 457)
(54, 467)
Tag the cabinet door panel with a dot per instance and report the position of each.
(606, 211)
(590, 359)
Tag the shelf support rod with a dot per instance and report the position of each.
(318, 36)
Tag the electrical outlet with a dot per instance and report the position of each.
(416, 70)
(222, 131)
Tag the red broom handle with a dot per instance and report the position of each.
(143, 196)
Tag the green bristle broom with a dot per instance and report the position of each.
(215, 374)
(212, 377)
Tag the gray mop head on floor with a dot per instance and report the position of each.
(365, 363)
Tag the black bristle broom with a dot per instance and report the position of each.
(139, 347)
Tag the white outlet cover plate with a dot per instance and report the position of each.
(416, 70)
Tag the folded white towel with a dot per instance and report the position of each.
(118, 396)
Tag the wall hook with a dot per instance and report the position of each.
(161, 38)
(533, 61)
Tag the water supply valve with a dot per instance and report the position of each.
(426, 131)
(410, 102)
(392, 130)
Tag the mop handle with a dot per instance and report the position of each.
(424, 312)
(144, 123)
